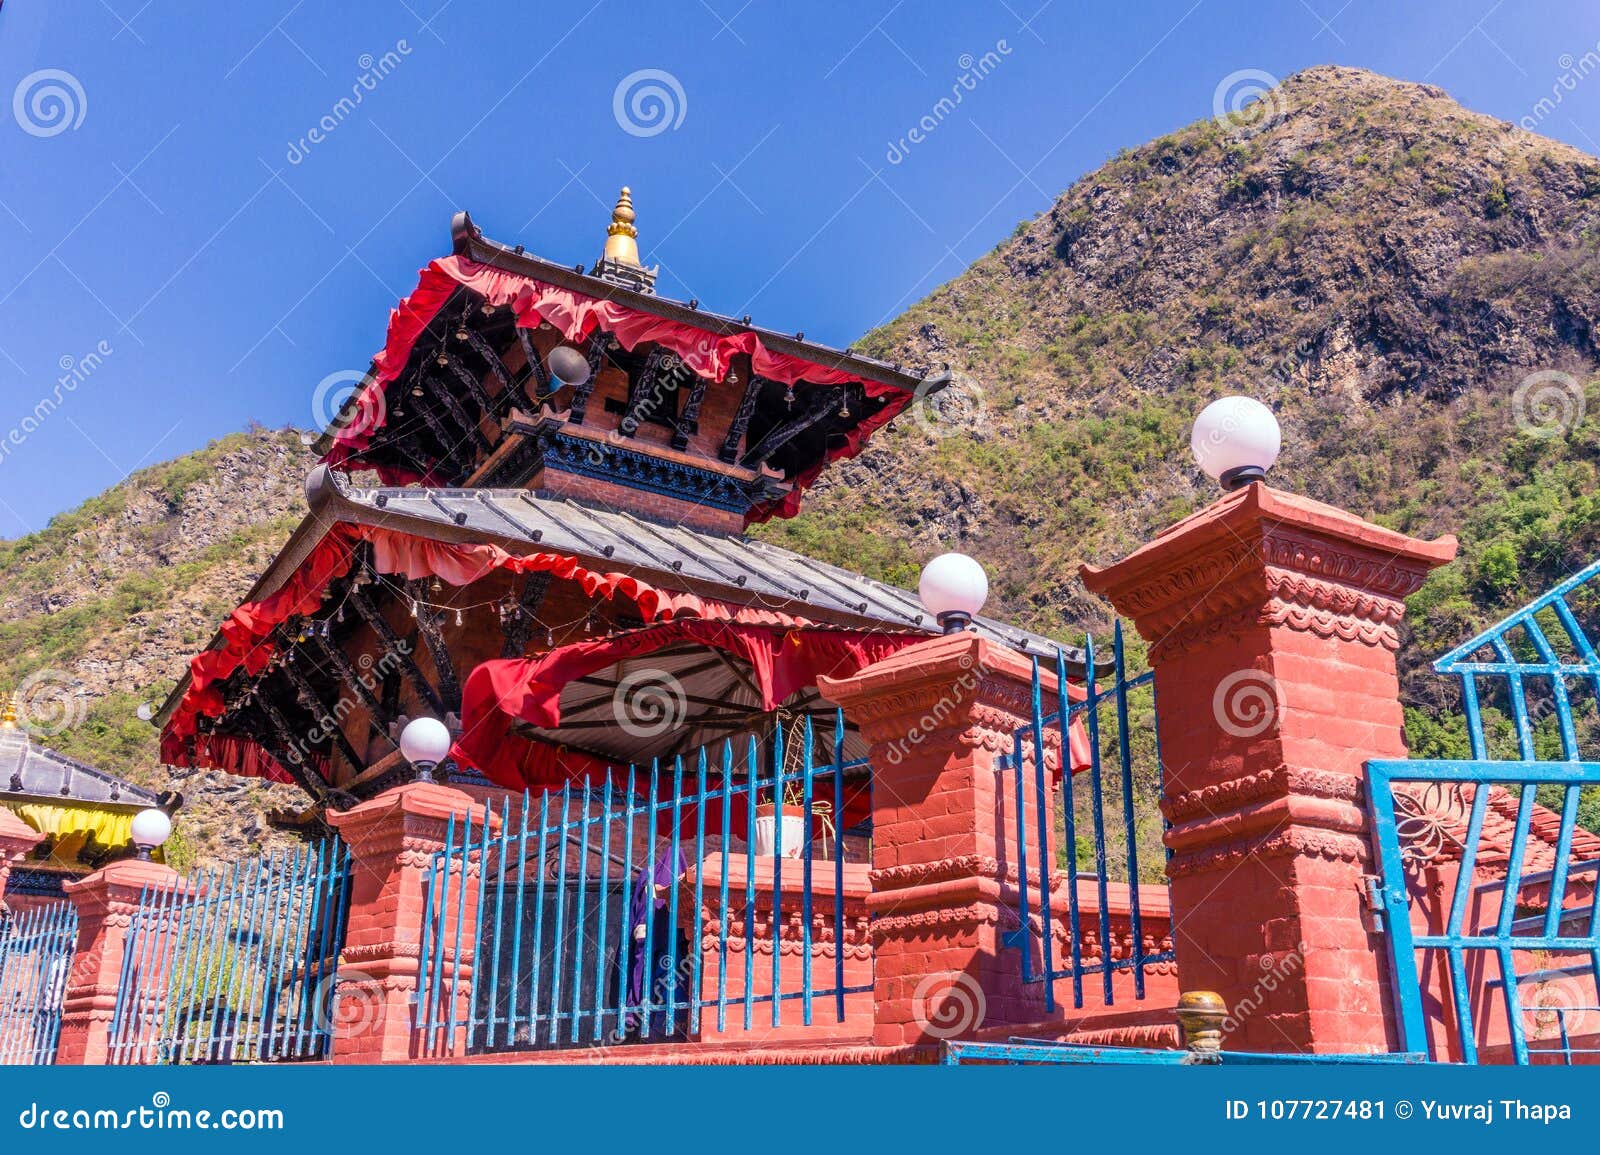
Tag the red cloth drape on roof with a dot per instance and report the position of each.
(247, 631)
(501, 692)
(576, 315)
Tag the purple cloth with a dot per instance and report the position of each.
(663, 871)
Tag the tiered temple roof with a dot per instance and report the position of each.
(567, 464)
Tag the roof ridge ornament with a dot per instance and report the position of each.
(8, 720)
(619, 260)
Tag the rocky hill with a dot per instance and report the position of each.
(1412, 286)
(104, 607)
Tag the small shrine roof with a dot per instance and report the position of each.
(34, 773)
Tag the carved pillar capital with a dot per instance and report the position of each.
(392, 840)
(105, 902)
(1273, 622)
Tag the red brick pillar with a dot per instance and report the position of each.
(944, 875)
(106, 901)
(1272, 623)
(16, 839)
(392, 839)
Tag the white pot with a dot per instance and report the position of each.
(794, 833)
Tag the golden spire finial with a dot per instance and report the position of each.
(621, 237)
(8, 720)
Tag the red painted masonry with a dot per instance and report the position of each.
(1272, 621)
(392, 839)
(105, 901)
(944, 858)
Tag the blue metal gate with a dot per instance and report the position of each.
(541, 937)
(1101, 814)
(36, 948)
(1488, 890)
(237, 964)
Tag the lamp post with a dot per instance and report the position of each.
(425, 742)
(150, 829)
(953, 588)
(1236, 440)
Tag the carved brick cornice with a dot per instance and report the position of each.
(944, 918)
(1295, 842)
(1276, 782)
(939, 870)
(1260, 557)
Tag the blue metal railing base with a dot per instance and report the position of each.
(1018, 1052)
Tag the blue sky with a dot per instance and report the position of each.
(170, 231)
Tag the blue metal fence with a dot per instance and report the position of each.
(630, 909)
(236, 965)
(36, 948)
(1111, 798)
(1508, 954)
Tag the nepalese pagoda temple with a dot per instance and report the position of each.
(81, 817)
(552, 561)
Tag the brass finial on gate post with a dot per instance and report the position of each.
(1200, 1016)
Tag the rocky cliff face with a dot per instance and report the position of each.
(101, 611)
(1412, 286)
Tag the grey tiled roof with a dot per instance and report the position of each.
(740, 570)
(29, 772)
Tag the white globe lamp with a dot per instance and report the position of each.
(953, 587)
(425, 742)
(150, 829)
(1236, 440)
